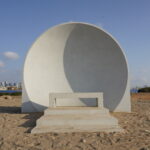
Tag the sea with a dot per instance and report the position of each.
(10, 91)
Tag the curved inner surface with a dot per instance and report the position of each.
(44, 70)
(94, 62)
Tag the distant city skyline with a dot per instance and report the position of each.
(23, 21)
(6, 83)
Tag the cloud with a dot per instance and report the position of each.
(1, 64)
(139, 82)
(11, 55)
(140, 77)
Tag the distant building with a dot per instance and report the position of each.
(5, 85)
(18, 85)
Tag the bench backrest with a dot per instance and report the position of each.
(54, 96)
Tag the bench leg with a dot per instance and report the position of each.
(100, 102)
(52, 101)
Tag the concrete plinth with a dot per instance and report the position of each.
(76, 119)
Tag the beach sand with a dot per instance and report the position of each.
(15, 130)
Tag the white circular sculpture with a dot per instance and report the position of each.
(75, 57)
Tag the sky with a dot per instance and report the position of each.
(22, 21)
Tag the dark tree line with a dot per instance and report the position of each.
(144, 90)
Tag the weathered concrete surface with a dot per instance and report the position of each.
(75, 57)
(76, 119)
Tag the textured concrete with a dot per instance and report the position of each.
(76, 119)
(75, 57)
(55, 96)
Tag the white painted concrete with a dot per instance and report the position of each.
(75, 57)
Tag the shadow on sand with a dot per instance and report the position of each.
(10, 109)
(30, 118)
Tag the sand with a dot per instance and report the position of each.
(15, 130)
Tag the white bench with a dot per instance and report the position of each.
(54, 96)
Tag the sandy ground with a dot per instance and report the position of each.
(15, 130)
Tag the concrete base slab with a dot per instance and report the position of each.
(76, 119)
(71, 129)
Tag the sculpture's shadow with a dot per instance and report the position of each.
(31, 120)
(94, 62)
(10, 109)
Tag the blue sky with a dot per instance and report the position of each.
(22, 21)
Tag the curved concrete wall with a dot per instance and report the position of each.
(75, 57)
